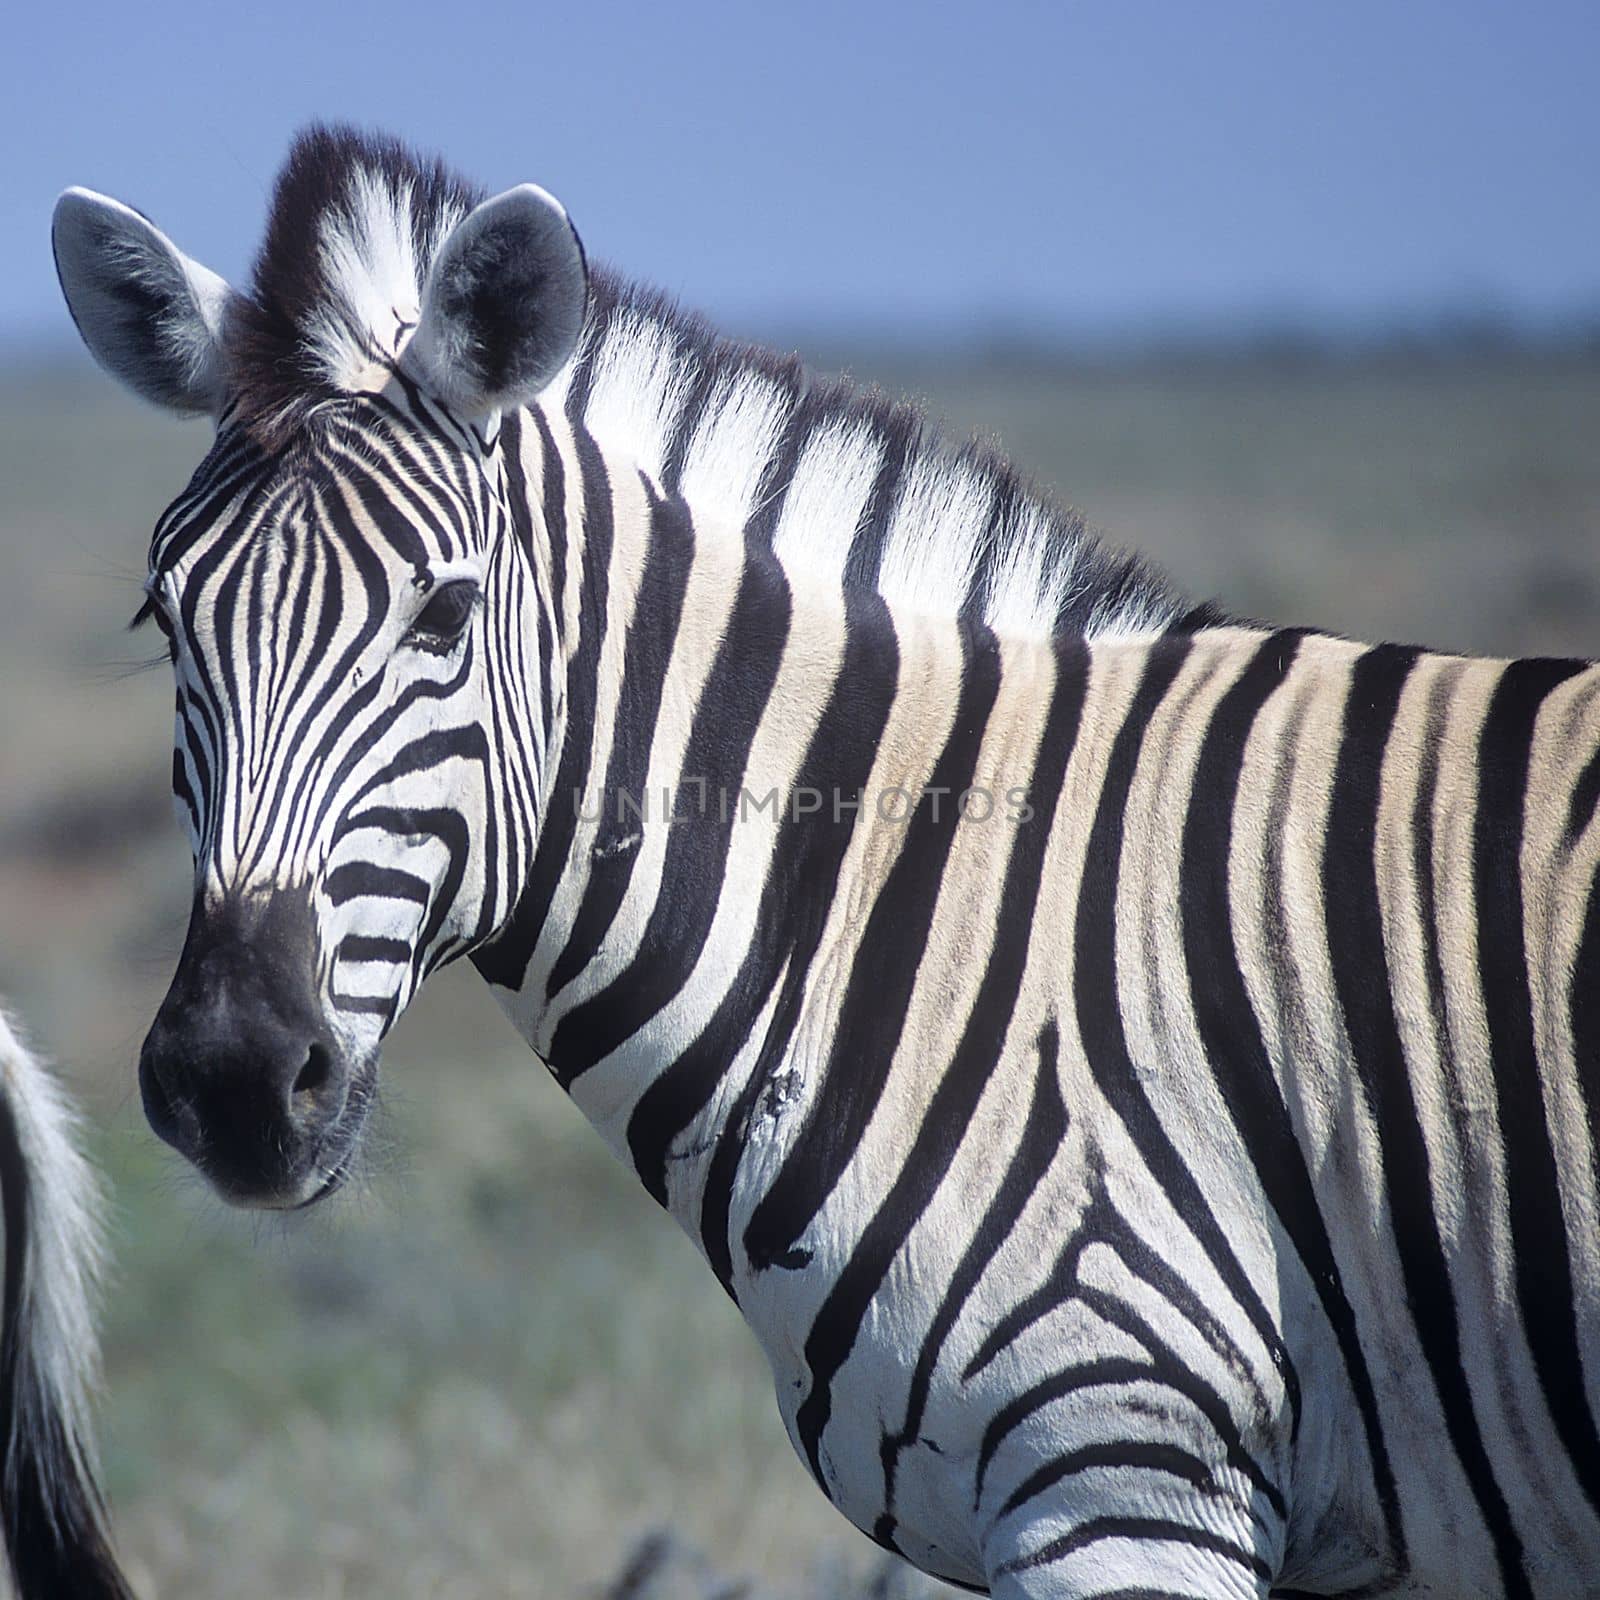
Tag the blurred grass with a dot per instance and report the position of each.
(486, 1371)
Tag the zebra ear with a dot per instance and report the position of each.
(149, 315)
(503, 308)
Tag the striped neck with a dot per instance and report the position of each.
(739, 744)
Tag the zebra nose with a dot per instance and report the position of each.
(239, 1071)
(244, 1094)
(169, 1114)
(248, 1100)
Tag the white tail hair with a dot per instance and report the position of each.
(50, 1501)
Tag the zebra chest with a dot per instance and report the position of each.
(892, 1446)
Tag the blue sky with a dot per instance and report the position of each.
(929, 167)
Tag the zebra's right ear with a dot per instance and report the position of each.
(150, 316)
(503, 308)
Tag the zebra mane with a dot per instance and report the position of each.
(841, 481)
(847, 482)
(356, 220)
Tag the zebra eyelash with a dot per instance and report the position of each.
(151, 611)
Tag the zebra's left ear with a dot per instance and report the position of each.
(503, 308)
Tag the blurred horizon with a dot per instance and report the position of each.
(1444, 333)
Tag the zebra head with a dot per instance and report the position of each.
(359, 626)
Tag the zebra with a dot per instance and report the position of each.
(51, 1508)
(1134, 1069)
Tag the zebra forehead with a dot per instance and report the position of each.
(345, 485)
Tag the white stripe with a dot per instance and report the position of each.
(935, 536)
(732, 445)
(827, 498)
(638, 390)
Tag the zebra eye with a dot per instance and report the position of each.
(443, 620)
(151, 611)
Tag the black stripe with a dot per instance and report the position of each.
(1104, 1372)
(372, 1005)
(1154, 1529)
(725, 725)
(518, 502)
(1007, 505)
(1538, 1227)
(873, 1013)
(778, 473)
(1095, 993)
(517, 731)
(1231, 1031)
(192, 710)
(652, 632)
(180, 786)
(504, 960)
(897, 435)
(552, 506)
(1042, 1132)
(216, 572)
(1356, 951)
(955, 1101)
(820, 874)
(357, 878)
(364, 947)
(1140, 1593)
(690, 414)
(1585, 796)
(795, 899)
(1422, 867)
(1125, 1454)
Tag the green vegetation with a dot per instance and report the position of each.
(492, 1367)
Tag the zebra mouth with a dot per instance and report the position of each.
(330, 1185)
(349, 1131)
(318, 1171)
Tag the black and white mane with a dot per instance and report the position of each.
(831, 475)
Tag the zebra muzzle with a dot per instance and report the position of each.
(240, 1071)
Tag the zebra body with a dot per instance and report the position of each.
(1131, 1070)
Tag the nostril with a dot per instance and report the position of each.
(168, 1102)
(314, 1074)
(160, 1104)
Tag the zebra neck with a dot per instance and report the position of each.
(731, 740)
